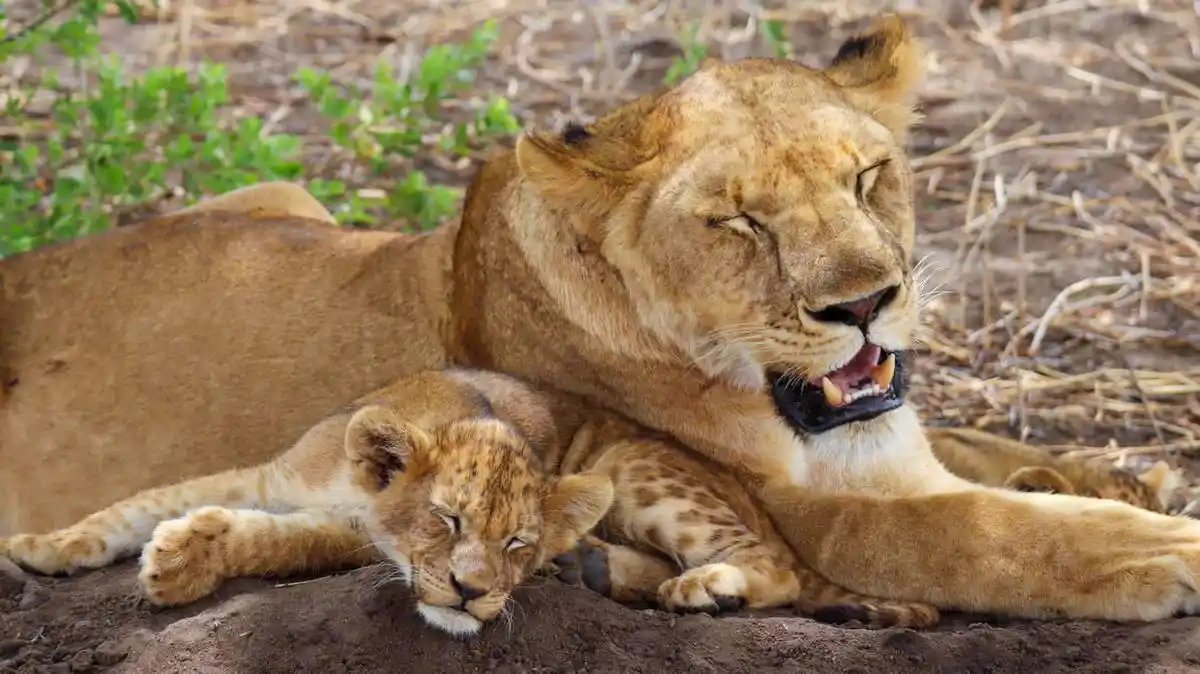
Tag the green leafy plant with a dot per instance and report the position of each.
(122, 142)
(398, 121)
(776, 36)
(694, 53)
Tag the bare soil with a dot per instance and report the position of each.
(1058, 198)
(350, 623)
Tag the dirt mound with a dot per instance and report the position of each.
(352, 623)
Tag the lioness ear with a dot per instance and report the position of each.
(576, 505)
(585, 170)
(881, 68)
(380, 444)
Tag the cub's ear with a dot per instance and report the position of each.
(380, 444)
(881, 69)
(586, 170)
(576, 505)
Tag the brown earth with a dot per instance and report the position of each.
(1060, 153)
(349, 623)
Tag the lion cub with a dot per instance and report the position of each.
(470, 482)
(1013, 465)
(453, 496)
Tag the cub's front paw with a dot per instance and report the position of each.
(184, 559)
(711, 588)
(586, 565)
(60, 552)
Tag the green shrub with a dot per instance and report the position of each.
(124, 141)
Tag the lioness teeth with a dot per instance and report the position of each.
(884, 372)
(863, 393)
(833, 394)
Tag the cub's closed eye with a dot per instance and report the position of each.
(741, 223)
(451, 521)
(515, 544)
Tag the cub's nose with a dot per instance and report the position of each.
(465, 591)
(859, 312)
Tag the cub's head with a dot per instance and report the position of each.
(465, 510)
(760, 218)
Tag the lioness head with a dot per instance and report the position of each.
(760, 218)
(465, 510)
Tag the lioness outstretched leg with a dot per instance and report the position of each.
(189, 557)
(726, 554)
(123, 528)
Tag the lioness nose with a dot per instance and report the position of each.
(466, 591)
(859, 312)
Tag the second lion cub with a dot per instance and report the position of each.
(470, 481)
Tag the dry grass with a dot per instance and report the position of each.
(1059, 193)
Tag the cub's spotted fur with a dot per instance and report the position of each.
(998, 462)
(469, 482)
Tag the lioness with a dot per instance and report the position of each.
(445, 473)
(727, 262)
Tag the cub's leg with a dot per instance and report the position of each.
(996, 461)
(189, 557)
(122, 529)
(1037, 478)
(726, 555)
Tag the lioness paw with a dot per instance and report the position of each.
(184, 559)
(1163, 586)
(711, 588)
(63, 551)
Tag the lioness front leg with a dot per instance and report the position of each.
(189, 557)
(726, 554)
(995, 551)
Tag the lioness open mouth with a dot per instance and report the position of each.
(873, 382)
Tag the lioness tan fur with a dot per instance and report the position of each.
(448, 473)
(665, 263)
